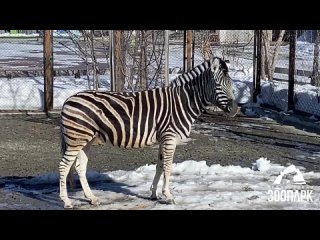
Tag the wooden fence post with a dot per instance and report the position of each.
(48, 70)
(189, 49)
(119, 57)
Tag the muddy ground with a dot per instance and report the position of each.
(29, 146)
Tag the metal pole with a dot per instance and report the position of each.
(292, 59)
(254, 59)
(258, 75)
(184, 50)
(166, 53)
(111, 59)
(193, 43)
(48, 69)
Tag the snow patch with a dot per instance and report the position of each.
(262, 164)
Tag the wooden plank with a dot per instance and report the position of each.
(305, 73)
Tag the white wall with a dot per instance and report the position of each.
(234, 36)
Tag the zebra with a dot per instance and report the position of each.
(140, 119)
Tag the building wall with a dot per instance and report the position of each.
(236, 36)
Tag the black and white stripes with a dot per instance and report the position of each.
(136, 120)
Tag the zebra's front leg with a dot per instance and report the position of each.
(168, 148)
(159, 170)
(81, 168)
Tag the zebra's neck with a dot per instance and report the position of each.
(190, 87)
(191, 100)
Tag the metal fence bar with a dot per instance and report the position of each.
(166, 53)
(254, 62)
(292, 58)
(257, 86)
(111, 58)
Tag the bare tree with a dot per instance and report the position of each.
(144, 59)
(84, 47)
(155, 57)
(105, 43)
(80, 50)
(205, 38)
(143, 63)
(95, 67)
(270, 53)
(315, 80)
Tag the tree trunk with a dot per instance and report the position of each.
(133, 70)
(270, 57)
(266, 39)
(315, 81)
(81, 49)
(95, 67)
(274, 58)
(205, 44)
(143, 63)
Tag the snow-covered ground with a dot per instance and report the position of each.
(56, 33)
(27, 93)
(194, 185)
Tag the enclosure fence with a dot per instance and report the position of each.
(131, 60)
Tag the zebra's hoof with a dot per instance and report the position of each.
(154, 197)
(68, 206)
(167, 201)
(95, 202)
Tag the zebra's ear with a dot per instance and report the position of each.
(215, 64)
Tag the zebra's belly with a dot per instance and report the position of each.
(133, 140)
(144, 141)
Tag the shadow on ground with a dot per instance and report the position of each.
(43, 195)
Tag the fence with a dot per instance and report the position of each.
(290, 88)
(138, 60)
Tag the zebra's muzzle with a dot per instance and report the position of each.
(232, 108)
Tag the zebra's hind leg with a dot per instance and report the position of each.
(168, 145)
(70, 177)
(159, 170)
(64, 168)
(81, 168)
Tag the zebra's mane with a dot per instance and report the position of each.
(196, 72)
(191, 74)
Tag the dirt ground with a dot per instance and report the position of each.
(29, 146)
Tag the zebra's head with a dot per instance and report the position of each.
(222, 87)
